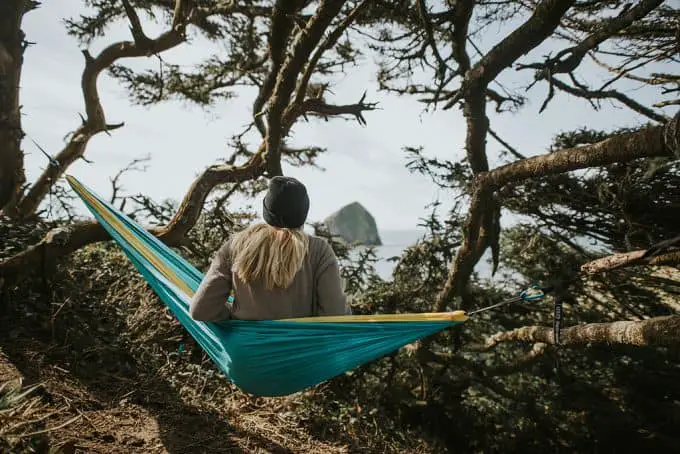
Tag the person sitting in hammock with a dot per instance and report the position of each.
(273, 270)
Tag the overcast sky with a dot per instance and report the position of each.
(364, 164)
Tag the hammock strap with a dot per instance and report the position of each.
(533, 293)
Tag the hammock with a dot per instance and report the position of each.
(263, 358)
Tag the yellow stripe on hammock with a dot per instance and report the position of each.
(455, 316)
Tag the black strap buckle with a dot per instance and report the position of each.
(557, 319)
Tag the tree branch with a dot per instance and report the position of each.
(512, 150)
(136, 29)
(665, 252)
(56, 243)
(133, 166)
(556, 65)
(605, 30)
(328, 43)
(626, 72)
(192, 204)
(652, 141)
(305, 42)
(653, 332)
(95, 121)
(671, 102)
(645, 143)
(462, 16)
(628, 259)
(317, 106)
(282, 21)
(429, 34)
(607, 94)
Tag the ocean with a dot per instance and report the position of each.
(394, 243)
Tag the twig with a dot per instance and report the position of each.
(609, 94)
(317, 106)
(429, 33)
(507, 146)
(33, 421)
(130, 167)
(51, 429)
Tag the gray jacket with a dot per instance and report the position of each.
(316, 290)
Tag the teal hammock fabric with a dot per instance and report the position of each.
(264, 358)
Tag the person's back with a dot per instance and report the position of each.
(273, 270)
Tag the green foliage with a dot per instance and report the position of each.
(423, 267)
(619, 207)
(537, 257)
(104, 13)
(356, 262)
(12, 397)
(445, 174)
(15, 235)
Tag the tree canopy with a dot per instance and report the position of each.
(597, 210)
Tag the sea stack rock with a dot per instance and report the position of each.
(354, 224)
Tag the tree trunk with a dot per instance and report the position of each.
(12, 45)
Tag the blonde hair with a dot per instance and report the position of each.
(271, 254)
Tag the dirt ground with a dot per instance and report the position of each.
(124, 416)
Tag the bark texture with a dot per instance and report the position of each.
(657, 332)
(12, 46)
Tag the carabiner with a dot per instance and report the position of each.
(532, 293)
